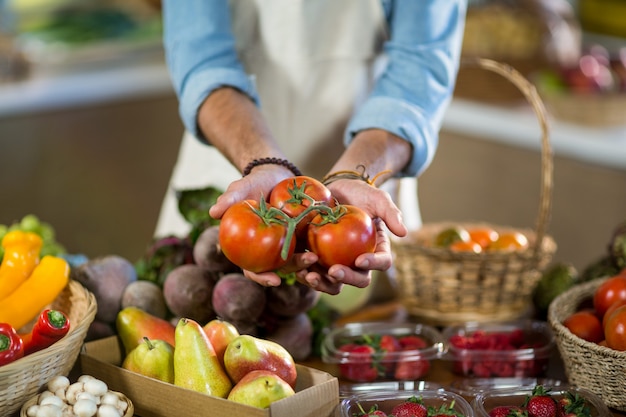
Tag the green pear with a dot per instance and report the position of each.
(248, 353)
(196, 365)
(260, 389)
(133, 323)
(220, 333)
(152, 358)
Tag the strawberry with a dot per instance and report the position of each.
(387, 345)
(413, 407)
(506, 411)
(540, 404)
(373, 412)
(361, 366)
(573, 405)
(411, 369)
(412, 342)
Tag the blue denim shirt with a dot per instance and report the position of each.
(408, 99)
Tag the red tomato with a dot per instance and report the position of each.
(613, 289)
(611, 309)
(252, 239)
(615, 329)
(293, 195)
(585, 325)
(341, 237)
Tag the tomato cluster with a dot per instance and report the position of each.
(299, 214)
(480, 238)
(495, 354)
(605, 322)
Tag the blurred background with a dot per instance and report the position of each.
(89, 126)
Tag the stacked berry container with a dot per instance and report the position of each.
(499, 350)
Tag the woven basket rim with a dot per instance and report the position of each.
(573, 297)
(61, 344)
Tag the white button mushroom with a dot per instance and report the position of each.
(49, 410)
(108, 410)
(96, 387)
(85, 408)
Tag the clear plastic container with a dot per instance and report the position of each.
(470, 387)
(486, 401)
(503, 350)
(386, 400)
(346, 390)
(409, 363)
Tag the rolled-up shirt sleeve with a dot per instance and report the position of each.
(200, 54)
(411, 95)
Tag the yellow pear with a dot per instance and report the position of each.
(196, 365)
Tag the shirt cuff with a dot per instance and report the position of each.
(203, 83)
(402, 119)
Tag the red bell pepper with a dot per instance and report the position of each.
(11, 345)
(51, 326)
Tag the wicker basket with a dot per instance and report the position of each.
(22, 379)
(130, 411)
(588, 365)
(444, 287)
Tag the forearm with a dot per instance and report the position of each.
(231, 122)
(377, 151)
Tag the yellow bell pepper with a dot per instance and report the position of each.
(21, 255)
(48, 279)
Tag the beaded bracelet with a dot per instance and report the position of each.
(273, 161)
(353, 175)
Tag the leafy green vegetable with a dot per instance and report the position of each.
(194, 205)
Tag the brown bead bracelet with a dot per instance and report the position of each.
(273, 161)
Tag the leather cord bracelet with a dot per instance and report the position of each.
(272, 161)
(360, 175)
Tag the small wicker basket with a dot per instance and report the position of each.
(130, 411)
(22, 379)
(588, 365)
(444, 287)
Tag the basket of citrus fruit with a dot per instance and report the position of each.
(453, 272)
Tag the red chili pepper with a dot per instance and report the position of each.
(51, 326)
(11, 345)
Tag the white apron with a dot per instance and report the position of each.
(313, 62)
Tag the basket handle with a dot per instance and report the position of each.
(530, 93)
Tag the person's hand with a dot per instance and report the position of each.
(253, 186)
(379, 205)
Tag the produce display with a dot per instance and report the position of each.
(213, 359)
(88, 396)
(597, 71)
(201, 325)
